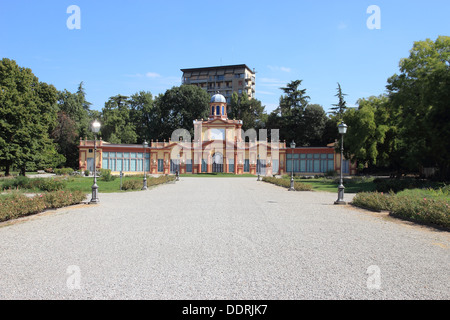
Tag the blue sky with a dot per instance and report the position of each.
(124, 47)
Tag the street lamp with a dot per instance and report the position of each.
(291, 188)
(258, 168)
(342, 130)
(95, 127)
(145, 145)
(177, 167)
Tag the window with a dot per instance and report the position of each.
(230, 165)
(247, 165)
(217, 110)
(189, 165)
(275, 166)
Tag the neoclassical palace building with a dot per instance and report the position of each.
(219, 145)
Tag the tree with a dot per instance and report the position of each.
(314, 122)
(117, 126)
(339, 108)
(65, 135)
(420, 97)
(250, 111)
(27, 114)
(144, 115)
(291, 111)
(365, 133)
(178, 107)
(73, 120)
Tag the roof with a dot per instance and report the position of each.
(217, 67)
(218, 98)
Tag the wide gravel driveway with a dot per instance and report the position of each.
(221, 238)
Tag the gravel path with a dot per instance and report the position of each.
(221, 238)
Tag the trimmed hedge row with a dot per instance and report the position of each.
(298, 186)
(17, 205)
(397, 185)
(409, 207)
(44, 184)
(137, 184)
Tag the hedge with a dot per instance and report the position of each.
(17, 205)
(43, 184)
(410, 207)
(138, 184)
(298, 186)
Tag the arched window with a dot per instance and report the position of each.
(218, 110)
(223, 110)
(212, 110)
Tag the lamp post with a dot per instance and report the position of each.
(291, 188)
(177, 174)
(145, 145)
(342, 130)
(258, 168)
(95, 127)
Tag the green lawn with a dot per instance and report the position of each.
(85, 184)
(331, 185)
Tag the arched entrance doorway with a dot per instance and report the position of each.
(217, 162)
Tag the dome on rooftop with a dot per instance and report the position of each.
(218, 98)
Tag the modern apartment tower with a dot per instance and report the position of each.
(222, 79)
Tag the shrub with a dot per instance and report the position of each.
(64, 171)
(43, 184)
(132, 185)
(298, 186)
(331, 173)
(372, 200)
(63, 198)
(105, 175)
(17, 205)
(397, 185)
(151, 181)
(20, 182)
(48, 184)
(434, 211)
(86, 173)
(409, 205)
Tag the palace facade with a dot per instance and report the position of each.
(219, 145)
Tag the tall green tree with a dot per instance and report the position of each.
(117, 126)
(27, 114)
(73, 120)
(339, 108)
(370, 139)
(178, 107)
(314, 124)
(144, 115)
(289, 117)
(420, 95)
(250, 111)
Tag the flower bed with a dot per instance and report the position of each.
(409, 206)
(17, 205)
(138, 184)
(298, 186)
